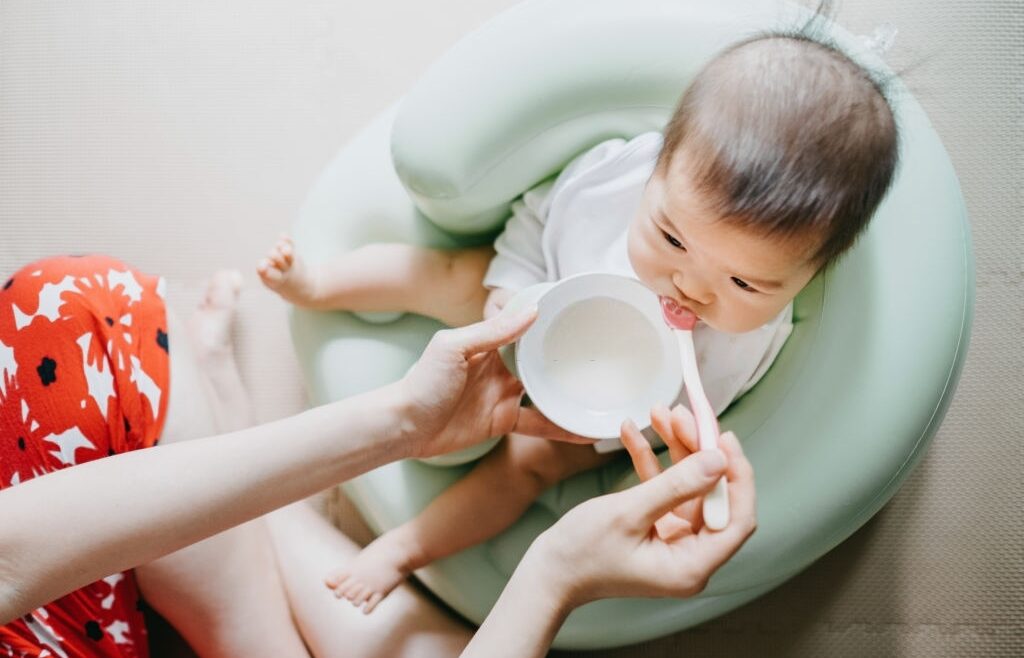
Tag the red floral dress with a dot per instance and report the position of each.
(84, 373)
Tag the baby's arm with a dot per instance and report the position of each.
(519, 256)
(496, 300)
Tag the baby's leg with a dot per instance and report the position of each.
(408, 626)
(224, 594)
(438, 283)
(472, 510)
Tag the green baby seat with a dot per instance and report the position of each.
(833, 429)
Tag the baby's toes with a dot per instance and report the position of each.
(284, 246)
(269, 272)
(372, 603)
(287, 251)
(279, 260)
(335, 579)
(350, 589)
(361, 597)
(341, 591)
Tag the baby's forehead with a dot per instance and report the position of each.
(679, 202)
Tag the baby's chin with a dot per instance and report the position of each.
(729, 325)
(718, 326)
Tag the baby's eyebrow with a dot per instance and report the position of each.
(663, 218)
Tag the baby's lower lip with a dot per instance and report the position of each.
(688, 306)
(676, 315)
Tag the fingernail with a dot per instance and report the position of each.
(712, 462)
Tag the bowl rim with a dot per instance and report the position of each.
(529, 354)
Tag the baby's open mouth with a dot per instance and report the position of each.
(676, 315)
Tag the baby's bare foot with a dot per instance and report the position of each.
(286, 274)
(367, 579)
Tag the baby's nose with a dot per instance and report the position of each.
(693, 287)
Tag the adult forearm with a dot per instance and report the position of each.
(125, 510)
(527, 616)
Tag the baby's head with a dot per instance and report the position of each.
(776, 158)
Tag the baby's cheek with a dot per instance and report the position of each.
(641, 257)
(729, 322)
(631, 251)
(744, 319)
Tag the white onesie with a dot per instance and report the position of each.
(579, 223)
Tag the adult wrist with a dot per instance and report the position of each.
(546, 567)
(527, 615)
(417, 426)
(383, 420)
(407, 436)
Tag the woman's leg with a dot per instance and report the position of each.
(441, 284)
(471, 511)
(407, 624)
(224, 594)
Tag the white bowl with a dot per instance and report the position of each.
(599, 353)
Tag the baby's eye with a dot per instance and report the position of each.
(743, 285)
(672, 241)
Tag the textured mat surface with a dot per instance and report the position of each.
(183, 136)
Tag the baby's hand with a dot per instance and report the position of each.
(678, 429)
(496, 301)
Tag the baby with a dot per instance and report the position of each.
(773, 163)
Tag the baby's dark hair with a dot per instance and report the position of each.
(788, 136)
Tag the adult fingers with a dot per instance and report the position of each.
(533, 423)
(740, 476)
(671, 528)
(691, 477)
(717, 547)
(491, 334)
(505, 414)
(662, 421)
(659, 421)
(684, 428)
(644, 461)
(739, 467)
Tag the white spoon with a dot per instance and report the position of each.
(682, 321)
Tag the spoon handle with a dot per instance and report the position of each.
(716, 502)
